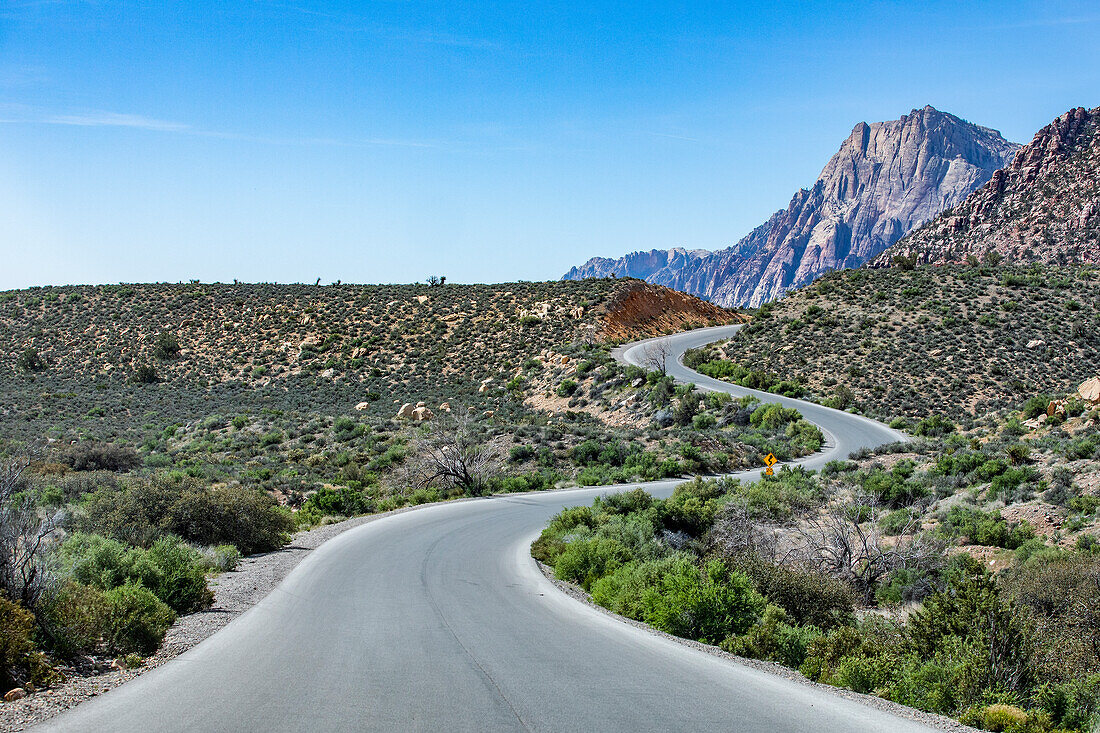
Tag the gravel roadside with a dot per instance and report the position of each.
(930, 719)
(234, 593)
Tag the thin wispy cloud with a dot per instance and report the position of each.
(673, 137)
(1048, 22)
(21, 114)
(117, 119)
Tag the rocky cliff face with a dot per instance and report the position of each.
(886, 179)
(636, 264)
(1044, 207)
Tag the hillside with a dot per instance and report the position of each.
(886, 179)
(954, 340)
(105, 360)
(1044, 207)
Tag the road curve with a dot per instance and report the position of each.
(439, 620)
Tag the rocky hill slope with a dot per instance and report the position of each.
(955, 340)
(85, 358)
(1044, 207)
(886, 179)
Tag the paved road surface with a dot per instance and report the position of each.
(438, 620)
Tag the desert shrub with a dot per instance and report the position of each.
(182, 575)
(777, 497)
(1035, 406)
(167, 346)
(17, 649)
(774, 639)
(567, 388)
(172, 570)
(622, 590)
(984, 528)
(774, 416)
(74, 618)
(139, 511)
(1000, 718)
(990, 635)
(933, 426)
(137, 619)
(340, 501)
(703, 421)
(808, 596)
(145, 374)
(223, 558)
(1063, 594)
(707, 604)
(893, 488)
(31, 361)
(584, 561)
(95, 456)
(519, 453)
(1074, 705)
(862, 658)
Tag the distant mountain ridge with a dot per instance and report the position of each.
(886, 179)
(1043, 207)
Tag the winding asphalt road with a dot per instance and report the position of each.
(439, 620)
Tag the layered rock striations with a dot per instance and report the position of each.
(1043, 207)
(886, 179)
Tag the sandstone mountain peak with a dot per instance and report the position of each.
(886, 179)
(1043, 207)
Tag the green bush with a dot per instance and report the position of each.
(137, 619)
(170, 569)
(707, 604)
(584, 561)
(808, 596)
(984, 528)
(773, 416)
(138, 511)
(74, 618)
(933, 426)
(774, 639)
(340, 501)
(17, 647)
(567, 388)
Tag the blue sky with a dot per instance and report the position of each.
(386, 141)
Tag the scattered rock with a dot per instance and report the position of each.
(362, 406)
(445, 406)
(420, 414)
(422, 299)
(328, 373)
(406, 411)
(1036, 344)
(12, 695)
(663, 418)
(1090, 390)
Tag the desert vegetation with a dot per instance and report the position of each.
(959, 341)
(956, 573)
(143, 460)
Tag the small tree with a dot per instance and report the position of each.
(450, 454)
(656, 354)
(25, 530)
(167, 346)
(847, 543)
(436, 281)
(905, 263)
(145, 374)
(31, 361)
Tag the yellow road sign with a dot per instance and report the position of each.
(770, 460)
